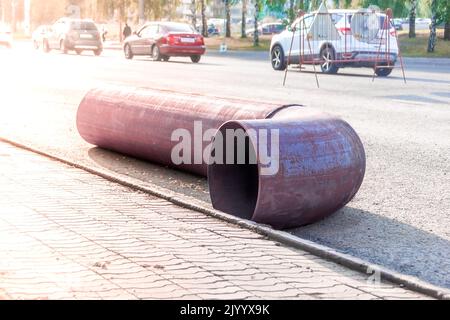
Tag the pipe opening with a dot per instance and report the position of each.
(233, 185)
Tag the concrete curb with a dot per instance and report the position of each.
(286, 238)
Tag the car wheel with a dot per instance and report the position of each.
(78, 51)
(62, 47)
(156, 55)
(277, 58)
(165, 58)
(98, 52)
(327, 66)
(127, 51)
(195, 59)
(383, 72)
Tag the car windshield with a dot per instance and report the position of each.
(83, 25)
(179, 27)
(307, 20)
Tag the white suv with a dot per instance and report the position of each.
(337, 39)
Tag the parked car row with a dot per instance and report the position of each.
(160, 40)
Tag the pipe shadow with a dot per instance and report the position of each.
(175, 180)
(378, 239)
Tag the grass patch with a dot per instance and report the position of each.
(237, 43)
(417, 47)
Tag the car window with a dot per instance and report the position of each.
(180, 27)
(380, 21)
(336, 17)
(83, 25)
(304, 22)
(279, 27)
(149, 31)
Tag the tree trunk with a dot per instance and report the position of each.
(228, 18)
(256, 32)
(204, 22)
(412, 19)
(447, 22)
(2, 5)
(194, 14)
(447, 31)
(244, 17)
(141, 12)
(13, 15)
(432, 38)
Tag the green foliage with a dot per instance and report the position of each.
(443, 11)
(399, 7)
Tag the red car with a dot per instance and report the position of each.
(162, 40)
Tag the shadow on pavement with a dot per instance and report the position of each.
(415, 98)
(370, 236)
(164, 177)
(381, 240)
(367, 76)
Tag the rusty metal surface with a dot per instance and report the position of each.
(321, 159)
(321, 167)
(140, 122)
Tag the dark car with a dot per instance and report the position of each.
(267, 29)
(212, 30)
(398, 24)
(74, 34)
(162, 40)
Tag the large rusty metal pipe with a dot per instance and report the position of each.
(319, 167)
(321, 160)
(140, 122)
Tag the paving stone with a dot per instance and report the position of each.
(67, 234)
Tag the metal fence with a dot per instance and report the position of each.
(363, 38)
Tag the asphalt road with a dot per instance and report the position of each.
(401, 216)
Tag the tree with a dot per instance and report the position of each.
(291, 13)
(204, 22)
(432, 38)
(227, 19)
(412, 19)
(443, 16)
(398, 6)
(244, 18)
(258, 5)
(194, 13)
(46, 11)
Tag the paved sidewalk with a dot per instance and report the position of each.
(66, 234)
